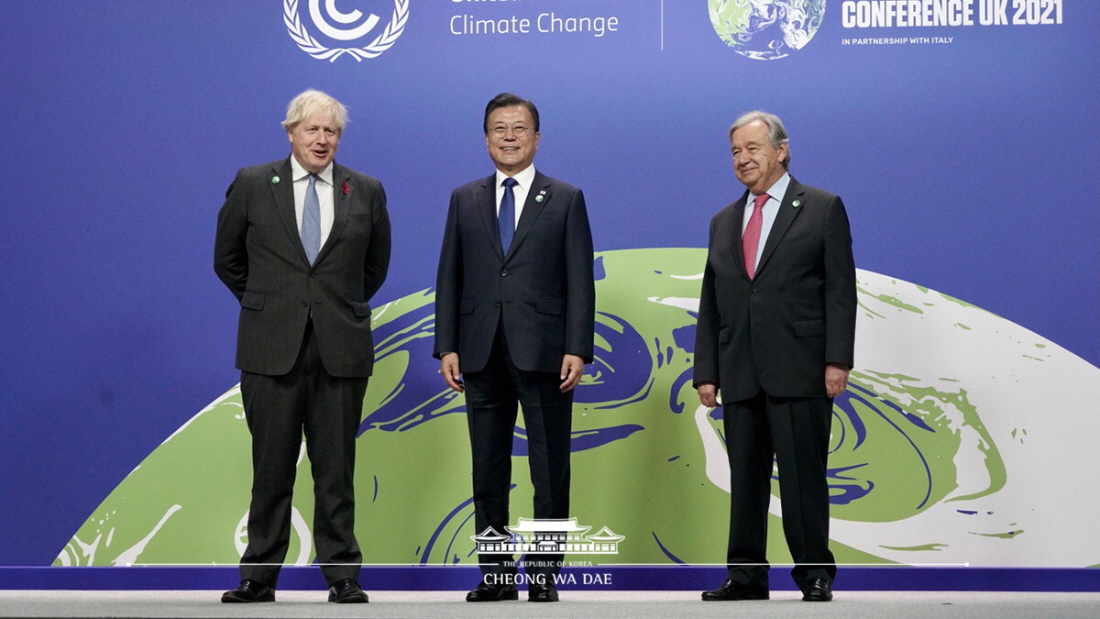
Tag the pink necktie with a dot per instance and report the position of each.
(751, 239)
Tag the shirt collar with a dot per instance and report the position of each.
(525, 178)
(300, 173)
(777, 190)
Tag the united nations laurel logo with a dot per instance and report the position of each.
(345, 31)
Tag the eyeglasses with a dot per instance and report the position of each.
(518, 131)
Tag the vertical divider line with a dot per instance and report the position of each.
(662, 25)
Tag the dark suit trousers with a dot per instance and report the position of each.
(794, 433)
(491, 408)
(279, 409)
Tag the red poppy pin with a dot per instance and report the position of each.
(344, 188)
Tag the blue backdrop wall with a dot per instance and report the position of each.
(967, 151)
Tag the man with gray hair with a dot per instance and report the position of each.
(303, 243)
(775, 335)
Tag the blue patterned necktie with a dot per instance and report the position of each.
(311, 221)
(506, 219)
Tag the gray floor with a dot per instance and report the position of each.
(579, 604)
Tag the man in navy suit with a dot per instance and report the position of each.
(303, 243)
(515, 305)
(775, 336)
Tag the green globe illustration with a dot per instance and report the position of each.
(942, 450)
(766, 29)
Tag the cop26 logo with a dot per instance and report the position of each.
(766, 29)
(338, 27)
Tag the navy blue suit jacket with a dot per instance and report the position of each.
(542, 292)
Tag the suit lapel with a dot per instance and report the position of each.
(788, 210)
(282, 193)
(341, 205)
(737, 220)
(487, 204)
(537, 198)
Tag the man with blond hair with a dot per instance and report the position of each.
(303, 243)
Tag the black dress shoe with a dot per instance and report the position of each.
(347, 591)
(731, 590)
(542, 593)
(493, 593)
(818, 590)
(249, 591)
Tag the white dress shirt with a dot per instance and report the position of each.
(325, 194)
(524, 179)
(771, 209)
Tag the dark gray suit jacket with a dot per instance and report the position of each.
(778, 331)
(543, 291)
(258, 254)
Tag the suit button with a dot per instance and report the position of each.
(504, 272)
(497, 304)
(304, 304)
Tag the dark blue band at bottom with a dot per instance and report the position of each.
(596, 578)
